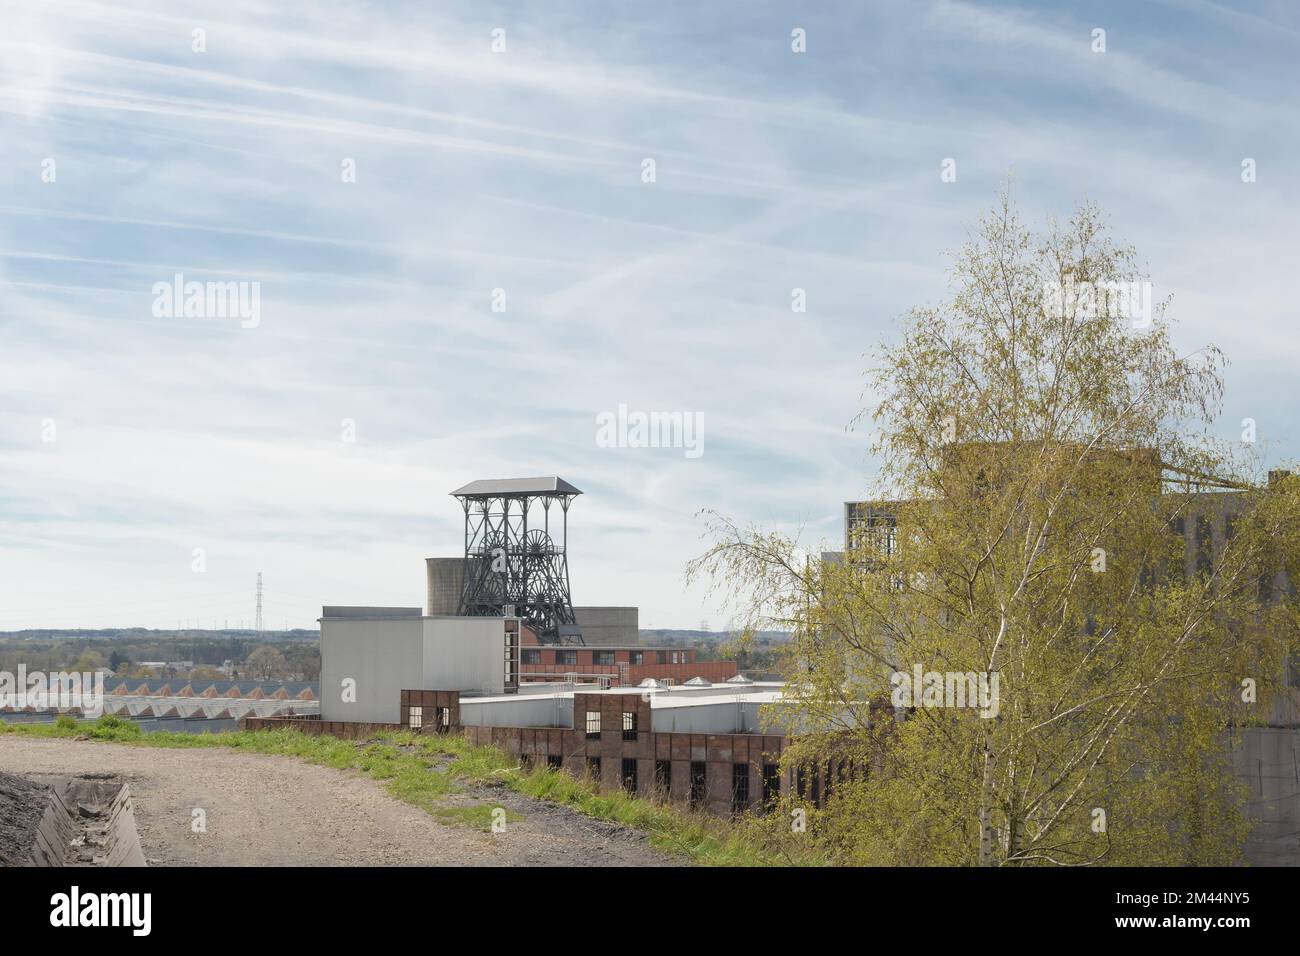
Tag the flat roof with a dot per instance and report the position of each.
(659, 696)
(492, 487)
(371, 613)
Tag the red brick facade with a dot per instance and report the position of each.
(681, 755)
(625, 666)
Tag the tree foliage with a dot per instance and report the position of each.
(1039, 462)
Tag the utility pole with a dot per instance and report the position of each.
(257, 625)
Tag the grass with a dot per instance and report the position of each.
(425, 770)
(480, 816)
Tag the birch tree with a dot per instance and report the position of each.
(1053, 511)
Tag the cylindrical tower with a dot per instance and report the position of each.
(446, 583)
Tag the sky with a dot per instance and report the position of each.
(462, 262)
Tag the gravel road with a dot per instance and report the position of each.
(265, 810)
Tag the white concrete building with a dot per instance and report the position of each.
(369, 655)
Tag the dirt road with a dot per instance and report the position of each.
(264, 810)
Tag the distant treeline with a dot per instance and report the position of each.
(164, 634)
(283, 654)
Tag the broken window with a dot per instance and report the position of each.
(699, 782)
(771, 785)
(663, 776)
(739, 787)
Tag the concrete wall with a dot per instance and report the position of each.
(519, 711)
(378, 648)
(444, 583)
(603, 626)
(388, 649)
(462, 653)
(1268, 760)
(713, 717)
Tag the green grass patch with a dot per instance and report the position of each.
(479, 816)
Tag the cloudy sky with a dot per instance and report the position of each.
(128, 439)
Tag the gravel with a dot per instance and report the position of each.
(22, 804)
(264, 810)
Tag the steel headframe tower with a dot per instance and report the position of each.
(511, 557)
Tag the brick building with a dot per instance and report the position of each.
(625, 666)
(700, 745)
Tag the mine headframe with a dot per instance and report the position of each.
(515, 558)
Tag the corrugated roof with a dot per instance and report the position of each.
(485, 488)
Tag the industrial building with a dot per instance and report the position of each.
(700, 743)
(500, 653)
(199, 706)
(496, 617)
(1266, 759)
(513, 664)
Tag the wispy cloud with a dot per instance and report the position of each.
(515, 180)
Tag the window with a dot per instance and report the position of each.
(1204, 544)
(444, 718)
(699, 782)
(511, 656)
(1179, 527)
(677, 658)
(554, 761)
(637, 657)
(629, 775)
(415, 718)
(771, 785)
(870, 535)
(593, 725)
(739, 787)
(566, 657)
(531, 657)
(593, 768)
(629, 726)
(605, 657)
(664, 776)
(661, 657)
(882, 533)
